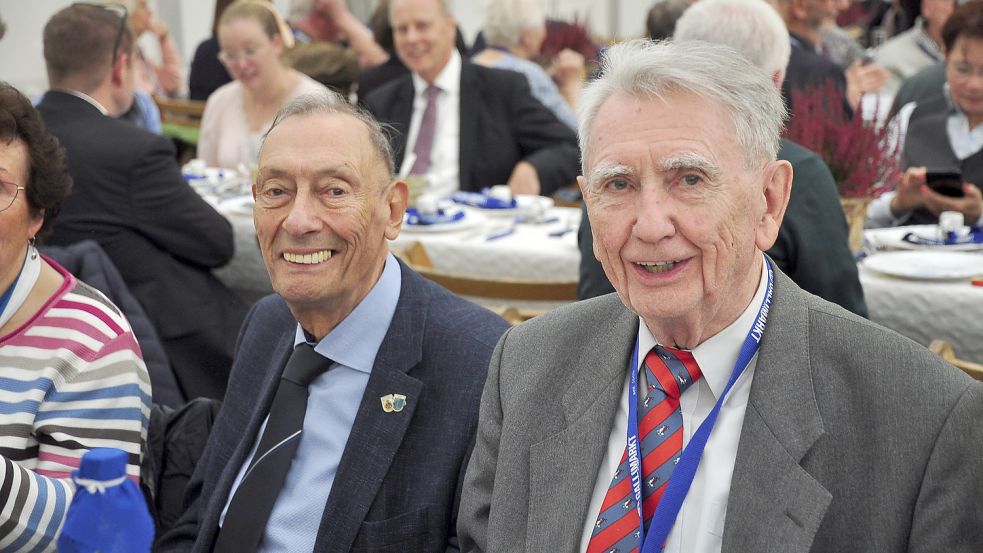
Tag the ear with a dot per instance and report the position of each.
(777, 77)
(35, 225)
(797, 8)
(116, 74)
(776, 189)
(277, 45)
(397, 197)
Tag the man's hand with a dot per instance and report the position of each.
(569, 71)
(863, 78)
(970, 205)
(524, 179)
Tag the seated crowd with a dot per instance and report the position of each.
(718, 388)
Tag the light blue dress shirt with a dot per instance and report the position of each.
(331, 408)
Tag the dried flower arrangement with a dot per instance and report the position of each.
(861, 154)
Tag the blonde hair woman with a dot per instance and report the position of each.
(252, 36)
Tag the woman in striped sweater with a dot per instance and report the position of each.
(71, 375)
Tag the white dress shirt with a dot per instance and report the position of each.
(699, 528)
(444, 172)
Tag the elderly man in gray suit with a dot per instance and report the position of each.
(711, 405)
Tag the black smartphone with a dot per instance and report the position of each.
(948, 182)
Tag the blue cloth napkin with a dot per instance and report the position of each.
(482, 200)
(414, 217)
(975, 236)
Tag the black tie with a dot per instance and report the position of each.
(249, 510)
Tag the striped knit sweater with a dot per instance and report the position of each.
(71, 379)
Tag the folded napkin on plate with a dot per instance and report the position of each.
(414, 217)
(975, 236)
(482, 200)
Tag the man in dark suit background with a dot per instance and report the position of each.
(130, 197)
(489, 129)
(813, 243)
(391, 411)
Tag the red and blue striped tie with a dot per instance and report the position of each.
(660, 429)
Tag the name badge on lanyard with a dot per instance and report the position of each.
(682, 476)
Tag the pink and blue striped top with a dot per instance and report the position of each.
(71, 379)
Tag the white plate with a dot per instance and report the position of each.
(239, 204)
(470, 220)
(524, 204)
(927, 265)
(892, 238)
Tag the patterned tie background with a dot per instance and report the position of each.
(668, 373)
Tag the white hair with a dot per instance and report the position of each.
(330, 102)
(642, 68)
(752, 27)
(506, 19)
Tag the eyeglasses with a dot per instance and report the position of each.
(8, 193)
(246, 54)
(117, 9)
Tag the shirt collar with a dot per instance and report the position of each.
(718, 354)
(356, 340)
(925, 42)
(85, 97)
(448, 80)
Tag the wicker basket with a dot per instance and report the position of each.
(855, 210)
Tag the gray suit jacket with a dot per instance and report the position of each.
(854, 439)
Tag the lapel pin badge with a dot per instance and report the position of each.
(393, 402)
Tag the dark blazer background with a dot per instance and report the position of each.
(399, 480)
(501, 125)
(130, 197)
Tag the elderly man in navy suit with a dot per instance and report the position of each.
(353, 399)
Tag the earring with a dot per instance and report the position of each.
(34, 251)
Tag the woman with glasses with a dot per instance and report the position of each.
(943, 144)
(252, 36)
(71, 375)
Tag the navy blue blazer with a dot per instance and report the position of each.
(501, 125)
(399, 479)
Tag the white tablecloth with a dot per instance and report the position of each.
(527, 253)
(925, 310)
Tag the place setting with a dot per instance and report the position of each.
(946, 251)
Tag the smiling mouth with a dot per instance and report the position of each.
(658, 266)
(307, 258)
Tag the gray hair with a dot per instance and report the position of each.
(645, 69)
(506, 19)
(752, 27)
(330, 102)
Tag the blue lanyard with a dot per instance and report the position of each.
(682, 476)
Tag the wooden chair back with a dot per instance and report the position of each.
(496, 290)
(945, 351)
(179, 111)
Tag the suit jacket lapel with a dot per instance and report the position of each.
(376, 435)
(563, 467)
(470, 98)
(401, 119)
(774, 504)
(277, 360)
